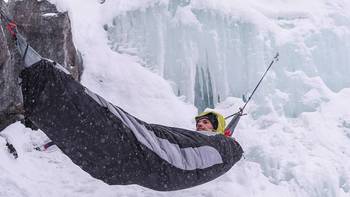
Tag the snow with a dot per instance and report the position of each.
(296, 135)
(50, 15)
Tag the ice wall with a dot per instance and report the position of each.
(236, 41)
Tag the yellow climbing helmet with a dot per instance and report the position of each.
(216, 119)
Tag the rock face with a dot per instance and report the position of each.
(49, 33)
(10, 94)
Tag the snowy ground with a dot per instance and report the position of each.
(303, 156)
(306, 156)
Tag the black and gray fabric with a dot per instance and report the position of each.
(112, 145)
(28, 54)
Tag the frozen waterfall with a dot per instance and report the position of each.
(177, 37)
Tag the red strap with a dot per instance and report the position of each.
(228, 133)
(11, 27)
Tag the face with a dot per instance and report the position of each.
(204, 125)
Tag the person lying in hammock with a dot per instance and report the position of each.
(117, 147)
(210, 121)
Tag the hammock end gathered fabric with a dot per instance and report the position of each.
(28, 54)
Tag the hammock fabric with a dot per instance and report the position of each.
(115, 147)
